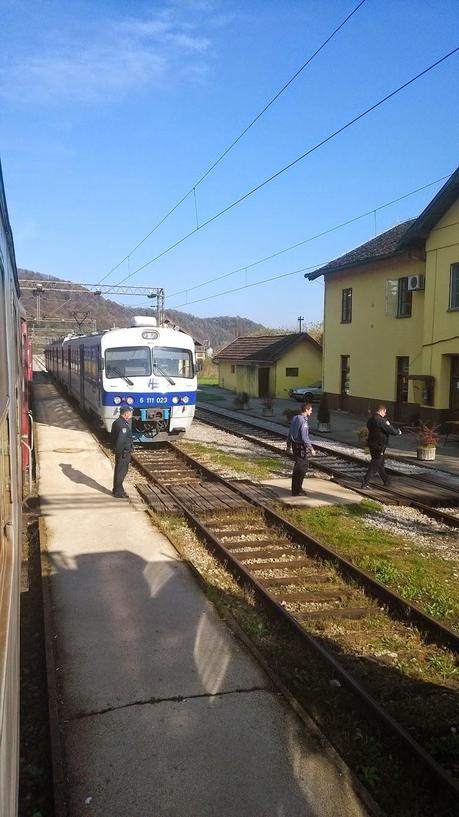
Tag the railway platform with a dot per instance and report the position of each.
(159, 709)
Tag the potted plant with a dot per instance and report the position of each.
(362, 434)
(428, 439)
(268, 404)
(289, 414)
(241, 401)
(323, 414)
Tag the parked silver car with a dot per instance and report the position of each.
(305, 394)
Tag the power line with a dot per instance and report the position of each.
(255, 284)
(293, 163)
(309, 239)
(238, 139)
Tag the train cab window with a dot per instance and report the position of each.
(172, 362)
(127, 361)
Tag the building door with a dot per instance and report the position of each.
(401, 398)
(263, 382)
(345, 382)
(454, 388)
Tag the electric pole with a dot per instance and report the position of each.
(300, 320)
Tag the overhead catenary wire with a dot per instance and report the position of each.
(236, 140)
(291, 164)
(323, 233)
(255, 284)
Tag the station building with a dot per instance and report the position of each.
(391, 318)
(269, 364)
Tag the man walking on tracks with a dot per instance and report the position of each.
(298, 440)
(379, 430)
(121, 440)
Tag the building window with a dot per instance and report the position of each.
(346, 306)
(454, 287)
(404, 299)
(292, 372)
(233, 369)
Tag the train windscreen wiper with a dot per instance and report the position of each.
(117, 371)
(164, 374)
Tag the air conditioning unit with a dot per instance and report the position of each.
(415, 283)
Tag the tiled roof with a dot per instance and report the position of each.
(400, 238)
(262, 348)
(383, 246)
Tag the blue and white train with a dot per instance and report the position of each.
(150, 367)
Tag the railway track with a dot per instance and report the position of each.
(437, 498)
(328, 602)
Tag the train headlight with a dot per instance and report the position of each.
(185, 399)
(129, 400)
(175, 399)
(117, 401)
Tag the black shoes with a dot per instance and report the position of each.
(124, 495)
(300, 493)
(365, 485)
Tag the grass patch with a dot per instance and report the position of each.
(208, 397)
(257, 468)
(204, 380)
(396, 561)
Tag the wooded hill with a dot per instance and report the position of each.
(58, 310)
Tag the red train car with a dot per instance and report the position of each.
(15, 373)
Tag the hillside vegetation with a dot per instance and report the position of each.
(61, 310)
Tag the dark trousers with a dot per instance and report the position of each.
(121, 468)
(376, 465)
(299, 469)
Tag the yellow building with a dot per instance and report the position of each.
(269, 364)
(391, 318)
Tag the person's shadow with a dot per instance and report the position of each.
(77, 476)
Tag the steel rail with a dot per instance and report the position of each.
(402, 608)
(244, 576)
(396, 496)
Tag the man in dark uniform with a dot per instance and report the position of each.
(379, 429)
(298, 440)
(121, 440)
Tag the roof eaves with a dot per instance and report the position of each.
(436, 208)
(351, 265)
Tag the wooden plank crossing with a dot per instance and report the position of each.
(208, 496)
(157, 499)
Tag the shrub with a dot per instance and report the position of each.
(428, 435)
(241, 400)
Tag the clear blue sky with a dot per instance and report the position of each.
(110, 111)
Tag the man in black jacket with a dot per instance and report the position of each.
(379, 429)
(121, 440)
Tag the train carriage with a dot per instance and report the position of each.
(151, 368)
(14, 458)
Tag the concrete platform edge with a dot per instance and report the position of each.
(327, 747)
(57, 745)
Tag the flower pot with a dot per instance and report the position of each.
(324, 427)
(268, 412)
(425, 452)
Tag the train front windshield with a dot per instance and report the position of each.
(140, 361)
(171, 362)
(128, 361)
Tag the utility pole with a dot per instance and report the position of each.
(38, 292)
(300, 320)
